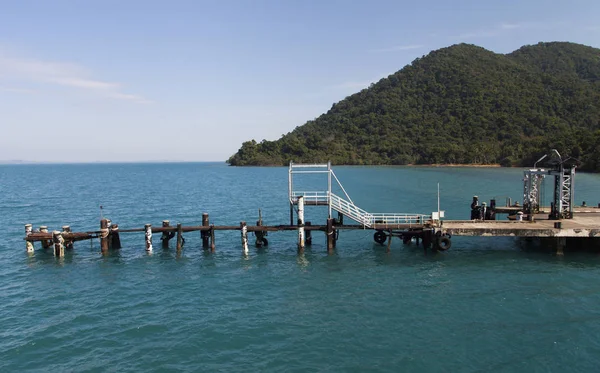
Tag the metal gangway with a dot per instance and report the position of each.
(344, 206)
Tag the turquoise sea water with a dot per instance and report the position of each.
(488, 304)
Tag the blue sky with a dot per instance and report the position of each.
(85, 81)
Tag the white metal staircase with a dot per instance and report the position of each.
(346, 206)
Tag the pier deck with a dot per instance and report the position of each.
(581, 225)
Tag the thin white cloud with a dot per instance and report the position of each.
(397, 48)
(27, 71)
(17, 90)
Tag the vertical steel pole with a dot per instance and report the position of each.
(329, 187)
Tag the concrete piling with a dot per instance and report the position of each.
(148, 234)
(68, 243)
(244, 231)
(45, 243)
(59, 244)
(28, 244)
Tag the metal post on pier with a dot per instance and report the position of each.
(300, 224)
(329, 187)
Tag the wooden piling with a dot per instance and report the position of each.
(212, 238)
(205, 234)
(260, 235)
(148, 234)
(330, 235)
(45, 243)
(109, 237)
(179, 237)
(244, 230)
(68, 243)
(59, 244)
(308, 234)
(165, 237)
(387, 250)
(300, 224)
(104, 235)
(28, 244)
(115, 239)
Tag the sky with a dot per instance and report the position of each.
(129, 80)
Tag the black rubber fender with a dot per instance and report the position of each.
(380, 237)
(443, 243)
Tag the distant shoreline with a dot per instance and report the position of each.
(455, 165)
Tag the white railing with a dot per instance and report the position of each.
(369, 219)
(351, 210)
(390, 218)
(310, 197)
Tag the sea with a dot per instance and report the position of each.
(488, 304)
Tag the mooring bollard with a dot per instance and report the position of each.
(204, 235)
(59, 244)
(68, 243)
(28, 244)
(244, 230)
(300, 223)
(148, 234)
(45, 243)
(104, 235)
(179, 237)
(165, 237)
(115, 239)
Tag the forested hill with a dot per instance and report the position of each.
(461, 104)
